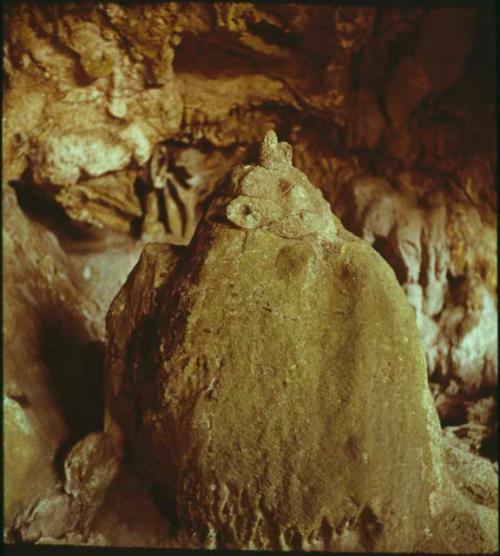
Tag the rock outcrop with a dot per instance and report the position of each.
(44, 301)
(452, 287)
(122, 120)
(52, 365)
(271, 378)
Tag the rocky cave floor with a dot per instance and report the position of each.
(119, 123)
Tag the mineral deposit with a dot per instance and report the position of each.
(271, 378)
(121, 120)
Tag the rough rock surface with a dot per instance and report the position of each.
(52, 361)
(67, 509)
(120, 120)
(128, 117)
(455, 300)
(43, 299)
(264, 375)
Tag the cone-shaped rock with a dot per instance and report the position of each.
(270, 377)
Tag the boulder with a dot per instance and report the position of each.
(270, 377)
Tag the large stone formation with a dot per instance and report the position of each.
(271, 379)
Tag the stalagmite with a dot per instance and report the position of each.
(271, 378)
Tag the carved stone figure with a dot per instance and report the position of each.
(270, 377)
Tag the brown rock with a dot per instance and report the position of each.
(109, 83)
(173, 95)
(54, 517)
(28, 470)
(43, 307)
(432, 249)
(255, 318)
(476, 477)
(90, 467)
(399, 143)
(443, 44)
(367, 123)
(107, 201)
(407, 86)
(52, 387)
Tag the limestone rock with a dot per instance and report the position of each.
(288, 206)
(129, 517)
(475, 477)
(106, 120)
(53, 325)
(401, 144)
(28, 473)
(107, 201)
(264, 375)
(367, 123)
(55, 516)
(469, 349)
(408, 85)
(448, 284)
(444, 41)
(90, 467)
(99, 87)
(174, 95)
(43, 305)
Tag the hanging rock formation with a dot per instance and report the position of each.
(271, 379)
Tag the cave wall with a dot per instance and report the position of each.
(121, 120)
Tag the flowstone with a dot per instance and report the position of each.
(270, 378)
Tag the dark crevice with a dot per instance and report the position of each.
(293, 538)
(180, 173)
(219, 539)
(326, 531)
(40, 207)
(172, 192)
(386, 248)
(273, 35)
(455, 416)
(355, 70)
(371, 527)
(60, 456)
(162, 207)
(165, 503)
(218, 59)
(21, 399)
(75, 372)
(489, 448)
(141, 190)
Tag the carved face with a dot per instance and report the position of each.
(280, 199)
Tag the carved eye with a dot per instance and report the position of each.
(240, 212)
